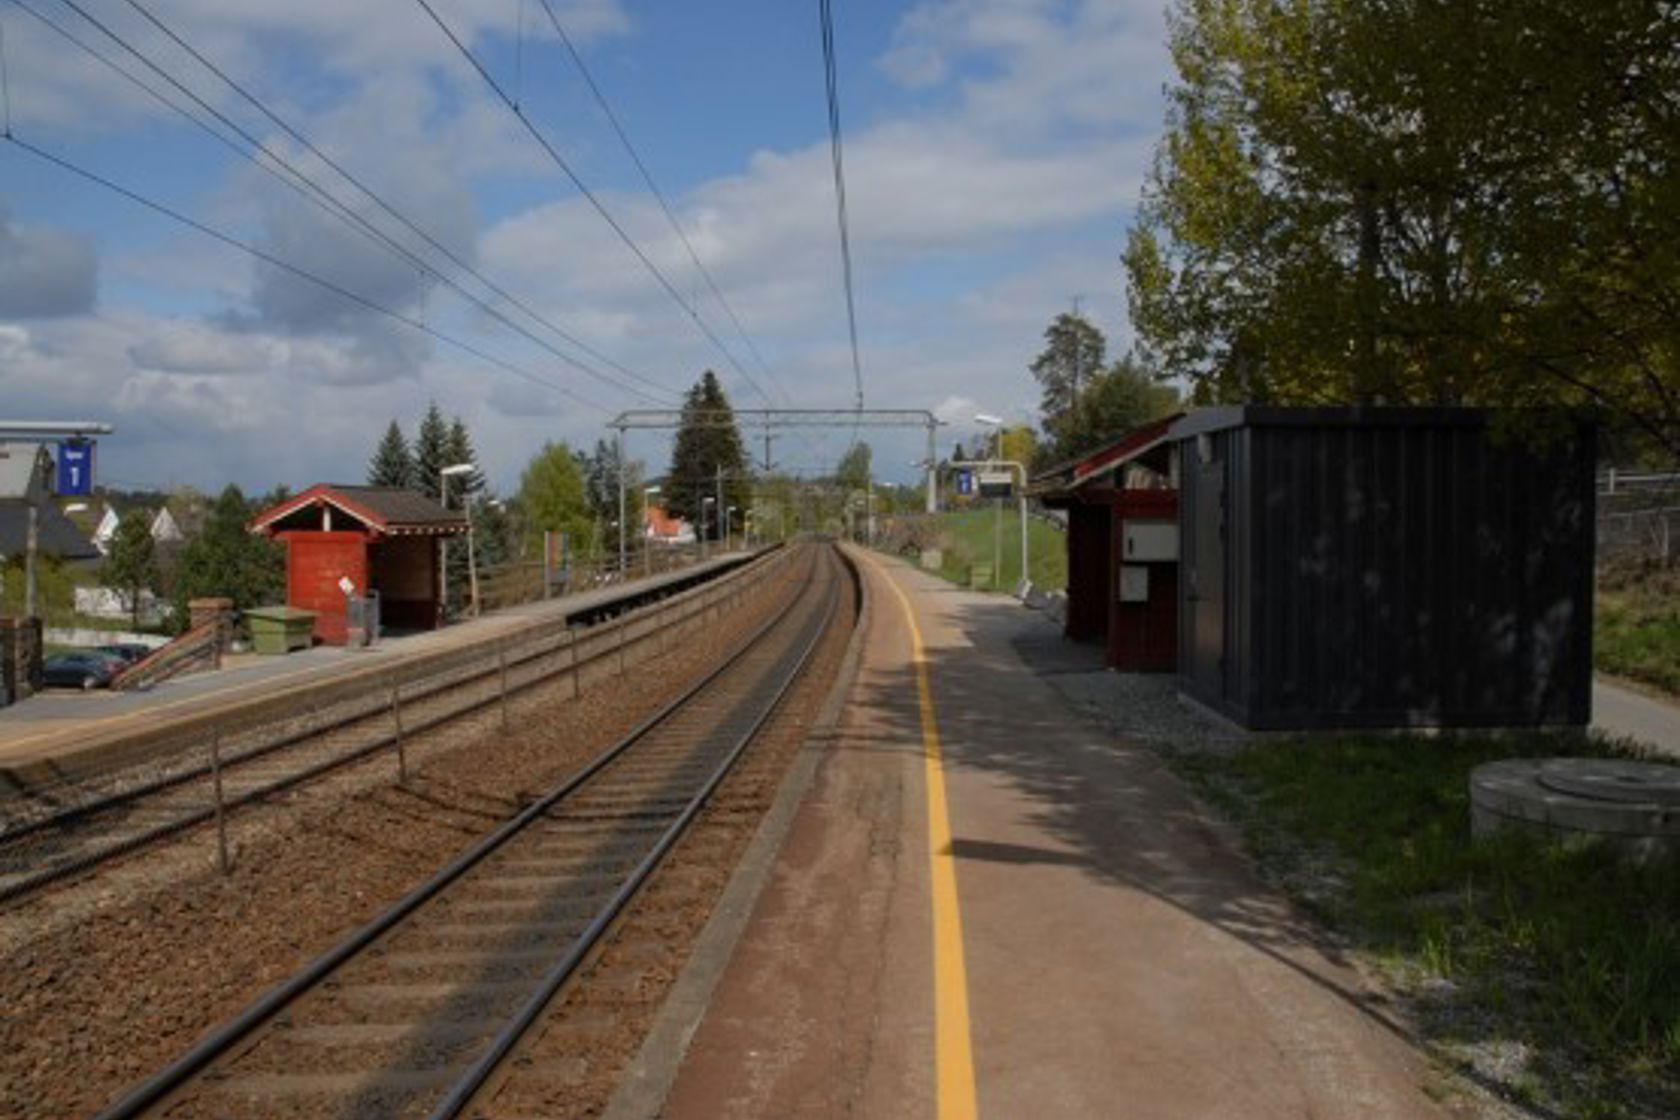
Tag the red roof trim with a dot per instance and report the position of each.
(321, 493)
(1130, 447)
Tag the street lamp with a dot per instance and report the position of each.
(996, 424)
(704, 521)
(728, 518)
(444, 475)
(647, 531)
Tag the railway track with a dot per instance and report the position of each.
(128, 812)
(411, 1015)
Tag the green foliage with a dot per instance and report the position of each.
(1073, 355)
(853, 470)
(431, 452)
(458, 449)
(223, 559)
(131, 567)
(551, 494)
(703, 447)
(1571, 949)
(1019, 444)
(392, 463)
(1636, 633)
(969, 537)
(1115, 402)
(1469, 203)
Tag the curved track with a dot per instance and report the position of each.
(411, 1014)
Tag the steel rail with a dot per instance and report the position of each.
(70, 817)
(220, 1040)
(461, 1093)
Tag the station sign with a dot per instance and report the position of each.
(997, 484)
(75, 468)
(965, 483)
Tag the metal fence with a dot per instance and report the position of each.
(1639, 517)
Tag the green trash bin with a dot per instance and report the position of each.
(280, 629)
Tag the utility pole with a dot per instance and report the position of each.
(720, 502)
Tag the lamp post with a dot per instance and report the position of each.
(704, 521)
(728, 522)
(444, 475)
(996, 424)
(647, 531)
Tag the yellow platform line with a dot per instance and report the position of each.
(953, 1047)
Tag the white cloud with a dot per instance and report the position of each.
(44, 273)
(973, 223)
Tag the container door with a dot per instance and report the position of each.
(1206, 575)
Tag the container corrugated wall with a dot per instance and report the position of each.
(1385, 568)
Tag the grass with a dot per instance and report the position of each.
(1571, 950)
(968, 539)
(1636, 632)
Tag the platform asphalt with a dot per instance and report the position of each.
(1121, 958)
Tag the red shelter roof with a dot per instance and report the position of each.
(380, 511)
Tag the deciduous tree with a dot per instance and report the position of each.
(551, 496)
(1412, 201)
(131, 567)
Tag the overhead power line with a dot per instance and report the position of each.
(590, 196)
(374, 197)
(294, 270)
(836, 152)
(647, 177)
(287, 173)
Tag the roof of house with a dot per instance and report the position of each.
(1134, 445)
(58, 535)
(384, 509)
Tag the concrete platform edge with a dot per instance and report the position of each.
(648, 1079)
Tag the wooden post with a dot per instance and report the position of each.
(222, 860)
(501, 663)
(396, 717)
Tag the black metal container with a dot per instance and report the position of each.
(1383, 567)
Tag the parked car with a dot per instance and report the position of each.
(82, 668)
(130, 652)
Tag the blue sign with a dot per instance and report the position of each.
(75, 468)
(965, 483)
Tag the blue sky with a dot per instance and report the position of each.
(995, 150)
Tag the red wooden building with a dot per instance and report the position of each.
(1122, 547)
(380, 539)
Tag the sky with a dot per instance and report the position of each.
(994, 153)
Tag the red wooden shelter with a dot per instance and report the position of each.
(1122, 546)
(379, 539)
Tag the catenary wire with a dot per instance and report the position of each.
(647, 177)
(295, 270)
(374, 197)
(836, 152)
(286, 173)
(594, 201)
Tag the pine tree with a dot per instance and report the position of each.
(392, 463)
(458, 448)
(431, 452)
(707, 440)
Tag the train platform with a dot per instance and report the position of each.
(985, 904)
(60, 732)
